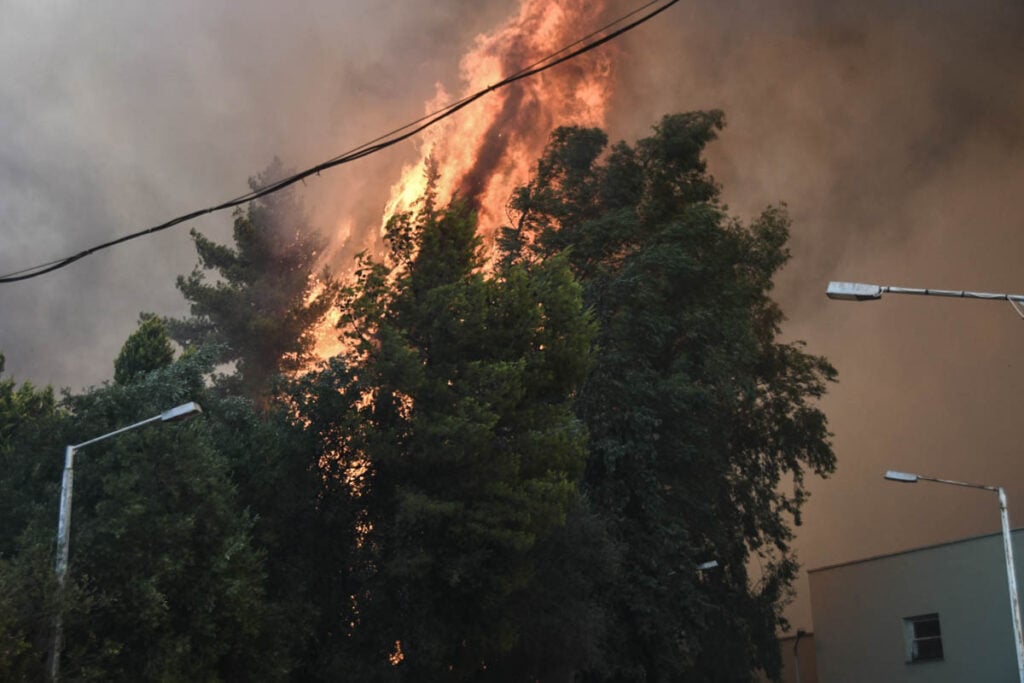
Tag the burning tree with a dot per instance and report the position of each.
(471, 453)
(697, 415)
(263, 309)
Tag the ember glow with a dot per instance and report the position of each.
(482, 153)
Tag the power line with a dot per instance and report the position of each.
(585, 44)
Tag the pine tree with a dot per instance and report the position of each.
(263, 308)
(147, 349)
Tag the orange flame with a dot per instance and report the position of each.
(482, 153)
(485, 151)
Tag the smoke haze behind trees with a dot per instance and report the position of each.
(890, 129)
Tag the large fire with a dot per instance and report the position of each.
(482, 153)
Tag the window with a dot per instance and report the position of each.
(923, 637)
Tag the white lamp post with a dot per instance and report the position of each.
(181, 412)
(858, 291)
(1011, 571)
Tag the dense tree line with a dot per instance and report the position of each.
(512, 473)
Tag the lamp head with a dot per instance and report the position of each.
(853, 291)
(182, 412)
(905, 477)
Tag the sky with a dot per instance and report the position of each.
(891, 129)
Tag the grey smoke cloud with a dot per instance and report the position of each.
(891, 129)
(118, 116)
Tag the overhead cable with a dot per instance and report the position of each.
(587, 43)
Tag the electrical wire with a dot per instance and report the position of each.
(579, 47)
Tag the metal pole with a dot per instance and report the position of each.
(955, 293)
(64, 522)
(63, 537)
(1011, 579)
(796, 654)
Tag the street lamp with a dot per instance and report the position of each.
(1011, 571)
(858, 291)
(182, 412)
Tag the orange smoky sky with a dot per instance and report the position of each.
(891, 129)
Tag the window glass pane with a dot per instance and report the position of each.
(927, 628)
(930, 648)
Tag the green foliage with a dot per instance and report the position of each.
(562, 617)
(262, 309)
(160, 544)
(147, 349)
(28, 417)
(465, 423)
(28, 599)
(699, 419)
(164, 582)
(290, 474)
(313, 519)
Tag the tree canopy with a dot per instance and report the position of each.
(702, 424)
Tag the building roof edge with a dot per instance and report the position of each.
(908, 551)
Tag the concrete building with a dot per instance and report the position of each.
(936, 614)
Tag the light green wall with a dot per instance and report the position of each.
(859, 608)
